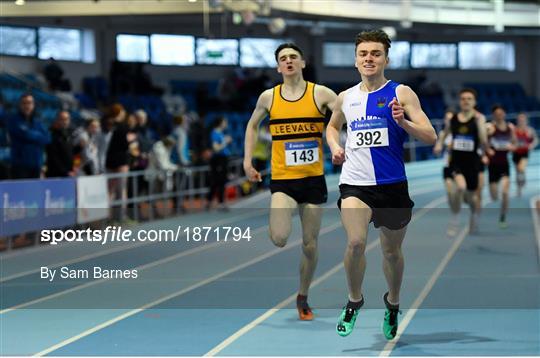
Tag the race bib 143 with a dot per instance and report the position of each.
(301, 153)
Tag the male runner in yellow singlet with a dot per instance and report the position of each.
(296, 109)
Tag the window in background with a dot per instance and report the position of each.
(256, 52)
(172, 50)
(61, 44)
(132, 48)
(217, 51)
(433, 55)
(399, 54)
(19, 41)
(486, 56)
(338, 54)
(88, 47)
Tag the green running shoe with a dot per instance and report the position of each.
(390, 324)
(347, 319)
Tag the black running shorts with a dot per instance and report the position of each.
(310, 190)
(497, 171)
(391, 204)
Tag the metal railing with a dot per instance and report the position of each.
(183, 185)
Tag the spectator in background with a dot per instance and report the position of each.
(117, 160)
(88, 141)
(198, 137)
(54, 75)
(160, 166)
(138, 159)
(103, 140)
(160, 172)
(180, 154)
(28, 140)
(145, 135)
(175, 104)
(60, 149)
(219, 161)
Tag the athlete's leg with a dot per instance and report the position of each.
(461, 188)
(310, 214)
(391, 241)
(355, 215)
(494, 190)
(520, 174)
(479, 191)
(281, 210)
(505, 184)
(453, 200)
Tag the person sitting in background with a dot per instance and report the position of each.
(28, 140)
(60, 149)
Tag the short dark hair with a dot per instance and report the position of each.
(374, 36)
(287, 45)
(469, 90)
(26, 94)
(497, 106)
(218, 121)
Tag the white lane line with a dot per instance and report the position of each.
(387, 350)
(535, 212)
(276, 308)
(116, 249)
(228, 341)
(138, 268)
(179, 293)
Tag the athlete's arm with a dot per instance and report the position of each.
(259, 113)
(437, 149)
(419, 125)
(333, 129)
(534, 142)
(325, 98)
(513, 138)
(482, 134)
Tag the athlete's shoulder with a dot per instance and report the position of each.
(401, 89)
(349, 90)
(266, 97)
(479, 116)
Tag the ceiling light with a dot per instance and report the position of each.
(192, 0)
(19, 2)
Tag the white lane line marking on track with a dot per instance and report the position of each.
(178, 293)
(116, 249)
(138, 268)
(387, 350)
(228, 341)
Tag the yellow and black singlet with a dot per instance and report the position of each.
(297, 129)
